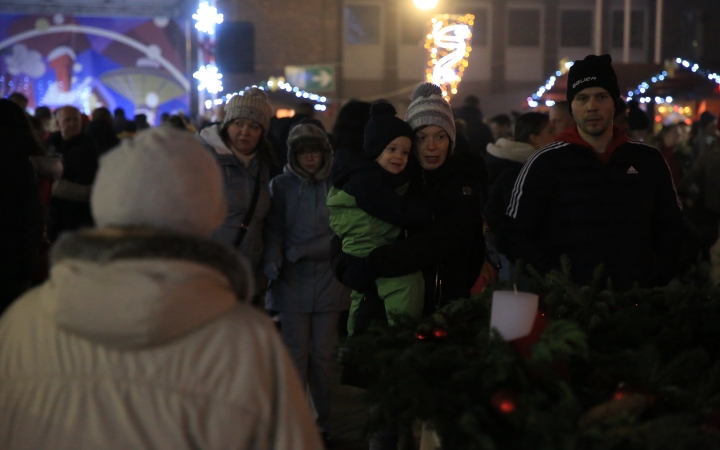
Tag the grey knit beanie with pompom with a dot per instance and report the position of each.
(251, 104)
(428, 107)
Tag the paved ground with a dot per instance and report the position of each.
(348, 416)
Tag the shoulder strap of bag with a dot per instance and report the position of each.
(250, 212)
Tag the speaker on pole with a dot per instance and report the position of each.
(235, 47)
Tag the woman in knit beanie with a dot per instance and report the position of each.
(451, 250)
(240, 146)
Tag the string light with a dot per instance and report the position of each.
(448, 45)
(207, 17)
(279, 83)
(641, 89)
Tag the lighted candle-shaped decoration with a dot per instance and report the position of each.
(513, 313)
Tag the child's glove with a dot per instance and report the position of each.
(272, 270)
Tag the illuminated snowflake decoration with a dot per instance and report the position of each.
(207, 17)
(209, 78)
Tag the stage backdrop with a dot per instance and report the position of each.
(136, 64)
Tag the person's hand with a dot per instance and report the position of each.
(294, 253)
(356, 273)
(272, 270)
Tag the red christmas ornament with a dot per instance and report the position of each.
(504, 401)
(623, 390)
(422, 335)
(439, 333)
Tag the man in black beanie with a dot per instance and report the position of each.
(596, 196)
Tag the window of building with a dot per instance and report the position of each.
(362, 24)
(576, 28)
(413, 29)
(480, 30)
(637, 29)
(524, 27)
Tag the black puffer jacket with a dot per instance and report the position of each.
(452, 248)
(619, 209)
(80, 163)
(375, 190)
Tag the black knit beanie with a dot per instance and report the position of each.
(383, 128)
(593, 71)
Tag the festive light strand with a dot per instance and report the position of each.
(638, 93)
(448, 45)
(277, 84)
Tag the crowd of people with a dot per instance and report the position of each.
(137, 260)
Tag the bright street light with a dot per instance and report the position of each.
(425, 4)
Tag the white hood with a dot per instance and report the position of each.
(140, 287)
(209, 135)
(134, 302)
(512, 150)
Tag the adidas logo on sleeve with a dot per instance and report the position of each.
(632, 170)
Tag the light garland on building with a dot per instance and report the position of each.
(533, 101)
(638, 93)
(448, 45)
(644, 86)
(275, 84)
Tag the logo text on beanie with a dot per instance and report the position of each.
(583, 80)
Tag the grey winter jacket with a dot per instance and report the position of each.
(239, 183)
(299, 220)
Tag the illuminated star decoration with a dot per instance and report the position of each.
(209, 79)
(207, 17)
(448, 47)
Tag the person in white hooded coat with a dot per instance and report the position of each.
(140, 338)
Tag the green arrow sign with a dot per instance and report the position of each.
(311, 78)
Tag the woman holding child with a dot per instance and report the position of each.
(444, 251)
(450, 249)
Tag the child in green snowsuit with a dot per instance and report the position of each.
(367, 208)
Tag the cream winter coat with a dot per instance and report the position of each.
(137, 341)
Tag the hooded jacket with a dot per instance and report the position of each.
(504, 160)
(138, 341)
(618, 208)
(239, 182)
(299, 220)
(505, 154)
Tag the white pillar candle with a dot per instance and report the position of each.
(513, 313)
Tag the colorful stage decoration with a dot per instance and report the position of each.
(88, 62)
(448, 45)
